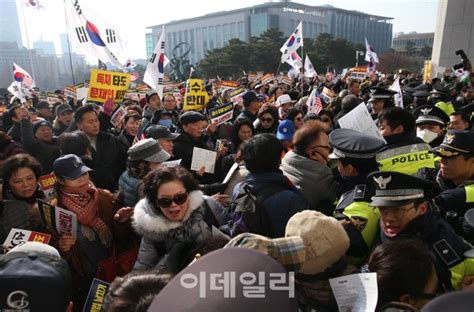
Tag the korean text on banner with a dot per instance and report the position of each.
(18, 237)
(59, 219)
(222, 113)
(96, 296)
(106, 85)
(196, 96)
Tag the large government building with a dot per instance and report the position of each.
(214, 30)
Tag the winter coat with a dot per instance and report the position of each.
(108, 161)
(280, 206)
(14, 214)
(124, 139)
(15, 131)
(12, 149)
(246, 114)
(183, 149)
(313, 179)
(160, 235)
(128, 186)
(45, 152)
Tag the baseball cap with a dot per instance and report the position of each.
(69, 167)
(160, 132)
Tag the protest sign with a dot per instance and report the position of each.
(18, 237)
(47, 183)
(236, 95)
(106, 85)
(203, 158)
(267, 78)
(328, 95)
(356, 292)
(358, 73)
(81, 91)
(96, 296)
(116, 119)
(70, 91)
(222, 113)
(52, 98)
(196, 96)
(360, 120)
(62, 220)
(226, 84)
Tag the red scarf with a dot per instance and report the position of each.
(84, 202)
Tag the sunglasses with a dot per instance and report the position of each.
(178, 199)
(269, 120)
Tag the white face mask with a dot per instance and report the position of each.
(426, 135)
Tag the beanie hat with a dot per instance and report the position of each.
(41, 123)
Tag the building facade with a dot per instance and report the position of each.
(454, 31)
(214, 30)
(9, 24)
(419, 40)
(44, 47)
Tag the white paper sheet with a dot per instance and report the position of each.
(360, 120)
(203, 158)
(171, 163)
(356, 292)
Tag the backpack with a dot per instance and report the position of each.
(249, 212)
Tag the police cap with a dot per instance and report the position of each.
(421, 94)
(349, 143)
(395, 189)
(381, 93)
(456, 142)
(437, 88)
(430, 114)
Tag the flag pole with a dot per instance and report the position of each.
(278, 69)
(302, 55)
(27, 39)
(69, 45)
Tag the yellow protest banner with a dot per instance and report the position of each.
(427, 72)
(196, 97)
(106, 85)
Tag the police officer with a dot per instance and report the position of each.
(440, 98)
(420, 97)
(404, 152)
(405, 212)
(355, 153)
(430, 124)
(380, 98)
(456, 179)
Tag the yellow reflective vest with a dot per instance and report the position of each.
(406, 159)
(447, 108)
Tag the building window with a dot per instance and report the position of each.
(233, 30)
(212, 37)
(226, 30)
(219, 40)
(241, 31)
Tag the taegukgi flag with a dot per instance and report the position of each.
(309, 70)
(294, 42)
(20, 75)
(155, 70)
(87, 38)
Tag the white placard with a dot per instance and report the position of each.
(203, 158)
(356, 292)
(171, 163)
(360, 120)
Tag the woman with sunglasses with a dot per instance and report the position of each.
(306, 166)
(267, 121)
(173, 216)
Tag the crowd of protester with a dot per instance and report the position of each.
(304, 196)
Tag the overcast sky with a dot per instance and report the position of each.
(131, 17)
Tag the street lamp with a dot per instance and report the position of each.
(357, 57)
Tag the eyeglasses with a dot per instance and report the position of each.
(298, 118)
(396, 210)
(178, 199)
(267, 120)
